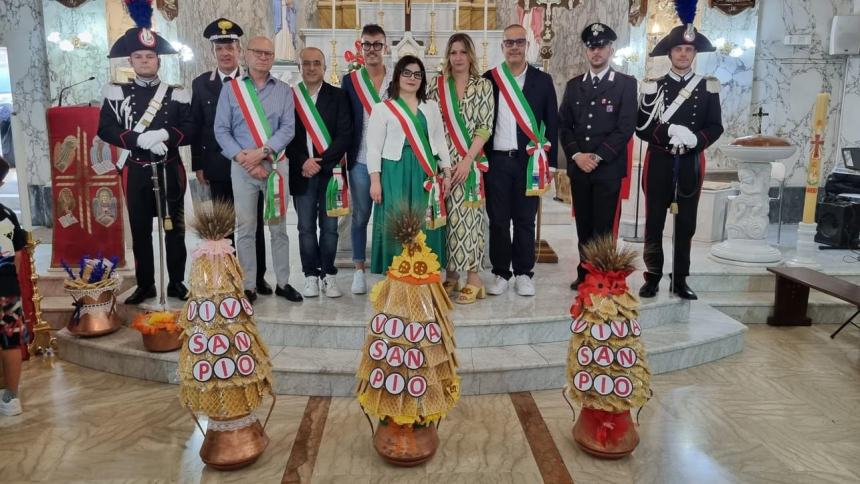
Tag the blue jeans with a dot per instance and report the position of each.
(317, 256)
(359, 190)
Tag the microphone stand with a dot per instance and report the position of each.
(63, 90)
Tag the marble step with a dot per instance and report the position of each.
(512, 320)
(709, 335)
(756, 306)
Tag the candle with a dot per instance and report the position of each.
(456, 15)
(357, 15)
(813, 171)
(333, 24)
(486, 9)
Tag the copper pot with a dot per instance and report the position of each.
(608, 435)
(162, 341)
(230, 445)
(96, 315)
(405, 445)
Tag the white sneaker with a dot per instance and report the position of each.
(359, 284)
(525, 285)
(10, 408)
(498, 286)
(312, 286)
(328, 285)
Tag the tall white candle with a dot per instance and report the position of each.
(333, 24)
(486, 10)
(456, 15)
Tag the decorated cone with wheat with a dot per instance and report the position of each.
(607, 373)
(408, 371)
(224, 367)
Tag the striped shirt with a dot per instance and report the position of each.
(233, 133)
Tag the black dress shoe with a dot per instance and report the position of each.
(683, 291)
(574, 286)
(650, 288)
(141, 294)
(251, 295)
(289, 293)
(263, 287)
(177, 290)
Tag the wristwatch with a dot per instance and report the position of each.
(266, 150)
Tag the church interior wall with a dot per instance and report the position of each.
(782, 80)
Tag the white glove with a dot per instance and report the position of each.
(159, 149)
(684, 135)
(148, 139)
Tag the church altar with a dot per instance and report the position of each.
(420, 29)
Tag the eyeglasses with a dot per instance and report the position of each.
(314, 63)
(263, 54)
(513, 42)
(368, 46)
(415, 75)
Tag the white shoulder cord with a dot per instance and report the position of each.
(657, 108)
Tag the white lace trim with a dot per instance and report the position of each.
(229, 425)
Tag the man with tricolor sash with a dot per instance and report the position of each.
(210, 167)
(318, 171)
(522, 161)
(364, 87)
(254, 122)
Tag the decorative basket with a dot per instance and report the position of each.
(95, 308)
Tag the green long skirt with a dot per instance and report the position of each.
(402, 184)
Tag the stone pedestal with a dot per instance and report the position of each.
(747, 220)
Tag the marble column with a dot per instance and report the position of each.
(255, 18)
(22, 33)
(568, 57)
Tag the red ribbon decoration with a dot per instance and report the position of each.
(601, 283)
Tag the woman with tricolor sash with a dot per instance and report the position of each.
(466, 102)
(408, 162)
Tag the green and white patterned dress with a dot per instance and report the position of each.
(465, 227)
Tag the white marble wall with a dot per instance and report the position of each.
(22, 32)
(849, 134)
(66, 68)
(787, 78)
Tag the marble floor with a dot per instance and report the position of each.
(784, 410)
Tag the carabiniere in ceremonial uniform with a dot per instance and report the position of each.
(148, 120)
(679, 116)
(596, 121)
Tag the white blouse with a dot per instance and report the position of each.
(385, 136)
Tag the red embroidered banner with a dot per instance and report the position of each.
(88, 199)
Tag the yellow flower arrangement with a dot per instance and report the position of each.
(153, 322)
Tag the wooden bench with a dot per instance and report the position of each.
(792, 295)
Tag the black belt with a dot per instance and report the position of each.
(508, 153)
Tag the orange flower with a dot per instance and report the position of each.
(153, 322)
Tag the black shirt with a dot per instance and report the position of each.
(12, 239)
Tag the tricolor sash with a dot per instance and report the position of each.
(462, 140)
(538, 176)
(436, 213)
(367, 94)
(337, 194)
(252, 110)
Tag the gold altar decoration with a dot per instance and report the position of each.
(44, 342)
(731, 7)
(469, 15)
(168, 8)
(813, 170)
(637, 12)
